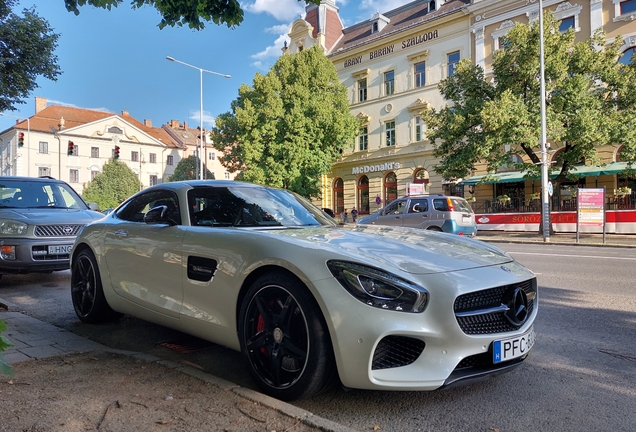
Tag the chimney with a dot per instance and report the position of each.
(125, 113)
(40, 104)
(185, 126)
(148, 123)
(174, 123)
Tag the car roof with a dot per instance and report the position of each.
(32, 179)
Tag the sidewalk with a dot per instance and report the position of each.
(611, 240)
(35, 340)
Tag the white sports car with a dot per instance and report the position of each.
(264, 271)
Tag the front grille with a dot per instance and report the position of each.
(396, 351)
(491, 322)
(57, 230)
(477, 360)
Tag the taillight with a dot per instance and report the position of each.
(450, 204)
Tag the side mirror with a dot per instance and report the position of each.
(93, 206)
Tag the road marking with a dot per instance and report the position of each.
(574, 256)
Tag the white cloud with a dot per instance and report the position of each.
(208, 119)
(282, 10)
(70, 105)
(382, 6)
(269, 55)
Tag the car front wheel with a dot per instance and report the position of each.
(87, 293)
(284, 338)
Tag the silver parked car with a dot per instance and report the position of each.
(449, 214)
(39, 220)
(308, 302)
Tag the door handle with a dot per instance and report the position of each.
(121, 233)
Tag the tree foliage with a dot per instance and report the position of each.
(590, 102)
(290, 126)
(27, 44)
(186, 169)
(113, 185)
(193, 13)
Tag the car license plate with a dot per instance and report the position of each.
(60, 250)
(512, 348)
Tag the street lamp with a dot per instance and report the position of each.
(28, 140)
(545, 208)
(201, 70)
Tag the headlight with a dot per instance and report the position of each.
(378, 288)
(10, 227)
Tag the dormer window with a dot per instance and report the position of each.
(378, 22)
(431, 6)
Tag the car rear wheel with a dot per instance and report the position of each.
(284, 338)
(87, 293)
(434, 228)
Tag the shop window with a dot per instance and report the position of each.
(363, 195)
(338, 196)
(390, 187)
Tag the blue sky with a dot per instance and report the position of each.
(116, 60)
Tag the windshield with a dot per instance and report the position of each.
(38, 194)
(253, 207)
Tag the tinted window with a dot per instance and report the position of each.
(135, 209)
(25, 194)
(462, 205)
(418, 205)
(440, 204)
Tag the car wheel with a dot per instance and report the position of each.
(434, 228)
(284, 338)
(87, 293)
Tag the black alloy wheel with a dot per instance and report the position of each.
(284, 338)
(87, 293)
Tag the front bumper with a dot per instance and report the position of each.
(439, 350)
(31, 255)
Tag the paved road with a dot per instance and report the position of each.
(581, 375)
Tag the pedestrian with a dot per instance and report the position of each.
(345, 216)
(354, 214)
(342, 216)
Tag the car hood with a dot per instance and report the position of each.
(411, 250)
(49, 216)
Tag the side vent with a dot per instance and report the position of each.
(201, 269)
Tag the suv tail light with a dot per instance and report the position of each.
(450, 204)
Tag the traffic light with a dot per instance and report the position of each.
(71, 148)
(21, 139)
(116, 152)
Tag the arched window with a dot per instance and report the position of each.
(390, 187)
(363, 195)
(421, 176)
(431, 6)
(510, 165)
(626, 58)
(338, 195)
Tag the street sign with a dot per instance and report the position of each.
(550, 189)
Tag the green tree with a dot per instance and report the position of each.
(113, 185)
(290, 126)
(4, 344)
(186, 169)
(27, 44)
(193, 13)
(590, 102)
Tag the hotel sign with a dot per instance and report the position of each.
(387, 166)
(389, 49)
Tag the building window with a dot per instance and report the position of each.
(419, 128)
(566, 24)
(170, 160)
(338, 196)
(73, 176)
(389, 83)
(420, 74)
(363, 195)
(453, 59)
(374, 27)
(390, 187)
(44, 172)
(421, 176)
(94, 174)
(503, 42)
(153, 157)
(94, 152)
(389, 132)
(627, 56)
(363, 138)
(153, 180)
(134, 156)
(226, 175)
(212, 156)
(44, 147)
(628, 6)
(362, 90)
(431, 6)
(115, 130)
